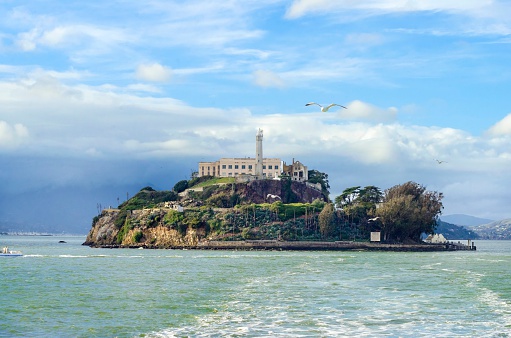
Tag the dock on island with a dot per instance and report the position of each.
(280, 245)
(327, 246)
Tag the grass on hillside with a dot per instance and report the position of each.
(213, 181)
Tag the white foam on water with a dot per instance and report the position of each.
(432, 266)
(72, 256)
(499, 307)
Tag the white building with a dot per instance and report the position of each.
(232, 167)
(296, 171)
(258, 167)
(436, 239)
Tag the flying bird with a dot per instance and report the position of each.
(440, 161)
(325, 109)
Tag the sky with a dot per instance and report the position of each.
(99, 99)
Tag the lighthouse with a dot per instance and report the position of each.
(259, 154)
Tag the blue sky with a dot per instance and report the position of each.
(98, 99)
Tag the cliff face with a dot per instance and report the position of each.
(140, 228)
(288, 191)
(160, 227)
(103, 230)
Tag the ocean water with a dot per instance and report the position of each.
(69, 290)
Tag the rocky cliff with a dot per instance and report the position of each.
(287, 191)
(214, 213)
(146, 228)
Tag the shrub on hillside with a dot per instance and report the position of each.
(180, 186)
(137, 236)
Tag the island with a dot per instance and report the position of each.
(263, 203)
(211, 213)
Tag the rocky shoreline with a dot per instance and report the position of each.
(304, 246)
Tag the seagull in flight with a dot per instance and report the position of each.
(440, 161)
(325, 109)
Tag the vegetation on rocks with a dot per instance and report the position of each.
(221, 209)
(148, 198)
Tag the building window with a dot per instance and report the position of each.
(243, 166)
(230, 166)
(224, 166)
(250, 166)
(276, 167)
(236, 166)
(264, 167)
(270, 167)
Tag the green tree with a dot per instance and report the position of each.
(348, 197)
(365, 199)
(180, 186)
(327, 221)
(407, 211)
(357, 205)
(316, 176)
(371, 194)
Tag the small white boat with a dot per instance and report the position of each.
(10, 253)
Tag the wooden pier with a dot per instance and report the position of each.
(460, 246)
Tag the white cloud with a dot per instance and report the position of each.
(11, 136)
(27, 40)
(80, 39)
(300, 8)
(203, 23)
(140, 87)
(153, 72)
(104, 119)
(503, 127)
(364, 111)
(267, 79)
(255, 53)
(324, 67)
(471, 17)
(58, 35)
(93, 152)
(364, 40)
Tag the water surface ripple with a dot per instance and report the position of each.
(68, 290)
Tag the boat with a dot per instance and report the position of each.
(10, 253)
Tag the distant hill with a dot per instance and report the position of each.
(454, 232)
(29, 228)
(495, 230)
(465, 220)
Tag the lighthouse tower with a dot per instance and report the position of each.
(259, 154)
